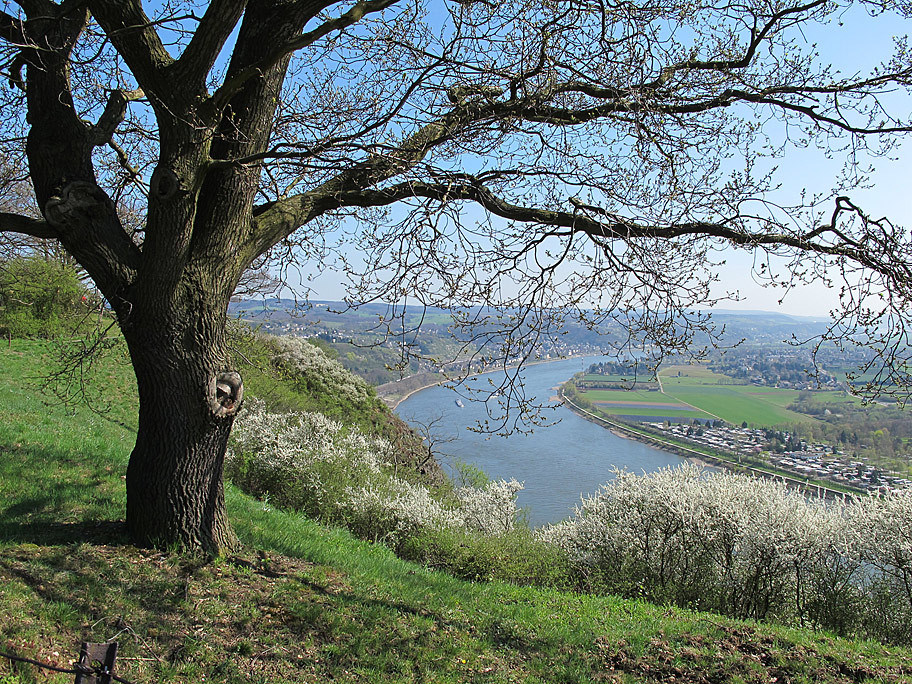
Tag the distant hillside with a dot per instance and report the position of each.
(368, 339)
(766, 326)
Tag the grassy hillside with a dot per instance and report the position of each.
(303, 603)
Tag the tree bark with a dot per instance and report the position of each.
(188, 398)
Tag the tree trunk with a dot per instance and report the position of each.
(187, 403)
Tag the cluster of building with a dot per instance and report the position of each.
(718, 436)
(838, 468)
(818, 461)
(789, 368)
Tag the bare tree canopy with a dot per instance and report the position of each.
(584, 155)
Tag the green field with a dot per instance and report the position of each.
(763, 407)
(643, 403)
(735, 403)
(628, 396)
(835, 399)
(695, 391)
(628, 378)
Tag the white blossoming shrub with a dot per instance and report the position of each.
(300, 460)
(754, 533)
(830, 577)
(395, 509)
(491, 508)
(628, 536)
(741, 546)
(883, 528)
(310, 366)
(308, 462)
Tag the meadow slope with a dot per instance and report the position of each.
(304, 603)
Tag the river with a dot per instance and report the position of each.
(558, 463)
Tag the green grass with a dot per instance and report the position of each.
(684, 412)
(722, 397)
(736, 404)
(641, 403)
(703, 394)
(628, 396)
(304, 603)
(835, 399)
(628, 378)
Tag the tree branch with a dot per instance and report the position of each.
(621, 103)
(114, 112)
(208, 40)
(37, 7)
(232, 85)
(133, 35)
(816, 117)
(12, 30)
(614, 227)
(83, 219)
(276, 220)
(757, 38)
(26, 225)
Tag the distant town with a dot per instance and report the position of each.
(818, 460)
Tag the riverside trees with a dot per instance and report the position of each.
(598, 144)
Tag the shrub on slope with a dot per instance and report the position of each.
(291, 374)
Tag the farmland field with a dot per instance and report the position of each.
(760, 406)
(718, 395)
(630, 378)
(642, 404)
(695, 391)
(628, 396)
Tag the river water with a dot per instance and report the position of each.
(558, 463)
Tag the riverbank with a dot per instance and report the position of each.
(395, 392)
(698, 456)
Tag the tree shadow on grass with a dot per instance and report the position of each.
(55, 496)
(106, 532)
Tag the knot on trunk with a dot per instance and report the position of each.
(164, 183)
(78, 202)
(226, 390)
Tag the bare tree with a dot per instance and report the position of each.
(529, 156)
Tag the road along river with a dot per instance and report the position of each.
(558, 463)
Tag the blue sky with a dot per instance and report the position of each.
(859, 44)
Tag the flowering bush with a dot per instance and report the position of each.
(300, 460)
(293, 374)
(395, 509)
(491, 508)
(309, 365)
(745, 547)
(883, 530)
(308, 462)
